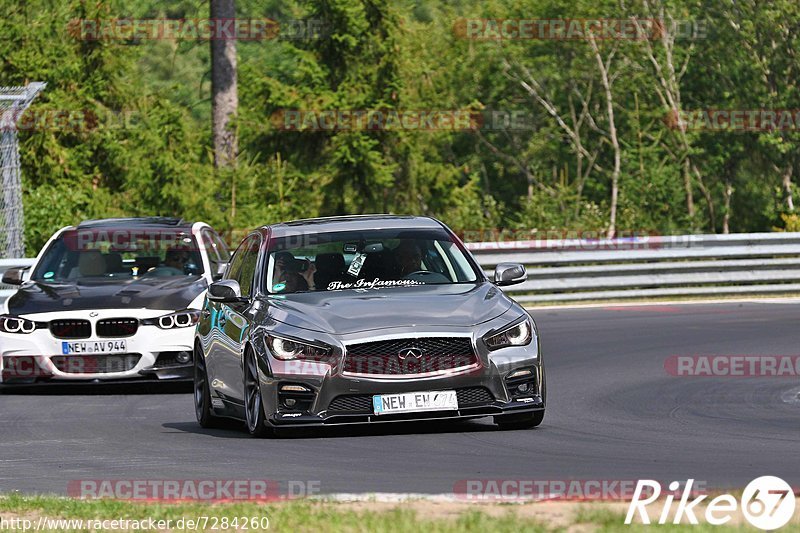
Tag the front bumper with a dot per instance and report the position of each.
(476, 411)
(151, 354)
(336, 398)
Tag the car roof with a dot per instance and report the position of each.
(136, 222)
(353, 223)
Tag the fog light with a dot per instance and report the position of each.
(183, 357)
(294, 388)
(524, 388)
(295, 397)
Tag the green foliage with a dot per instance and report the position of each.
(149, 152)
(791, 222)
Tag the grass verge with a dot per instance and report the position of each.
(45, 512)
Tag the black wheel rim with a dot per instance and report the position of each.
(199, 383)
(252, 406)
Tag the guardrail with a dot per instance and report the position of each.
(562, 270)
(5, 264)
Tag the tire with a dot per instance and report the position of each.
(255, 419)
(202, 392)
(521, 421)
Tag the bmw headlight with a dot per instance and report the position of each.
(180, 319)
(287, 349)
(517, 334)
(15, 324)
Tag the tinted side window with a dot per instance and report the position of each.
(222, 248)
(217, 250)
(243, 265)
(235, 264)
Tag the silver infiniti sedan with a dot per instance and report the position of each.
(364, 320)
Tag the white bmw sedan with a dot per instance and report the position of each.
(110, 300)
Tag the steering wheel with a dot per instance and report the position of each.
(427, 276)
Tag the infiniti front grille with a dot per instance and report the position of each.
(401, 357)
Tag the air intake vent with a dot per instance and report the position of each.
(71, 329)
(117, 327)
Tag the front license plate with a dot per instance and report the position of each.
(81, 347)
(411, 402)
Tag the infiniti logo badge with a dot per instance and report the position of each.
(405, 353)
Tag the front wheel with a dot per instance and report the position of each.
(253, 406)
(520, 421)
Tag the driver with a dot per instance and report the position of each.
(286, 271)
(409, 257)
(176, 258)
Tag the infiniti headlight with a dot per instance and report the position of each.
(518, 334)
(15, 324)
(287, 349)
(180, 319)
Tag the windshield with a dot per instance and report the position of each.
(366, 260)
(110, 254)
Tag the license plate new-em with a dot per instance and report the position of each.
(107, 346)
(410, 402)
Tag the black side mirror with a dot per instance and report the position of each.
(225, 291)
(14, 276)
(509, 274)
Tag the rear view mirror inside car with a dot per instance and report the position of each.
(373, 248)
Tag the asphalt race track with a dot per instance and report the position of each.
(614, 413)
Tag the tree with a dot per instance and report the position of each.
(224, 95)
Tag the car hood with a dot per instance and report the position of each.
(154, 293)
(349, 311)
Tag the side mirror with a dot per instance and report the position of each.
(509, 274)
(14, 276)
(227, 290)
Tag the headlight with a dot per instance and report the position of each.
(287, 349)
(14, 324)
(181, 319)
(519, 334)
